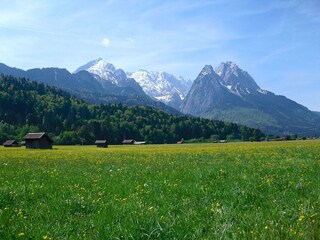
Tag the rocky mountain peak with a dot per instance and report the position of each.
(208, 69)
(227, 68)
(235, 78)
(99, 67)
(207, 74)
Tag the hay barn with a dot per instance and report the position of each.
(11, 143)
(101, 143)
(38, 141)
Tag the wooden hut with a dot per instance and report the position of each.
(101, 143)
(11, 143)
(38, 141)
(128, 141)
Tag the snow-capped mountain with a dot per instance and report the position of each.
(106, 73)
(231, 94)
(162, 86)
(98, 67)
(115, 87)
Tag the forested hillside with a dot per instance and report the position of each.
(31, 106)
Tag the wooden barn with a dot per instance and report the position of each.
(11, 143)
(38, 141)
(101, 143)
(128, 141)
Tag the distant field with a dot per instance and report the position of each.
(203, 191)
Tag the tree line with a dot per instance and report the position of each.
(31, 107)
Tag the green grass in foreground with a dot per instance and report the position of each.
(200, 191)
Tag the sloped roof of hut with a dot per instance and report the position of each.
(126, 141)
(10, 142)
(34, 136)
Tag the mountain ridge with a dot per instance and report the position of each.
(89, 87)
(158, 85)
(231, 94)
(225, 93)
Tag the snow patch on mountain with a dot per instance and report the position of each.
(103, 69)
(262, 91)
(162, 86)
(106, 73)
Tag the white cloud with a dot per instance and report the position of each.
(105, 42)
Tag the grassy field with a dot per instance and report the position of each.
(201, 191)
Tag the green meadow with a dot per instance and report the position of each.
(267, 190)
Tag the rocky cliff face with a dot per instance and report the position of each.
(235, 79)
(231, 94)
(206, 93)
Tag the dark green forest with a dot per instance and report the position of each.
(34, 107)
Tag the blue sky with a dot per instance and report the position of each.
(277, 42)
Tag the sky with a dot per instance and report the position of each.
(276, 42)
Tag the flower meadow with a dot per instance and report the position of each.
(268, 190)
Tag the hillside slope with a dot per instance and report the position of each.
(31, 106)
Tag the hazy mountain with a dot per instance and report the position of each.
(231, 94)
(163, 86)
(82, 81)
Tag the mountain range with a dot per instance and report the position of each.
(225, 93)
(229, 93)
(95, 82)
